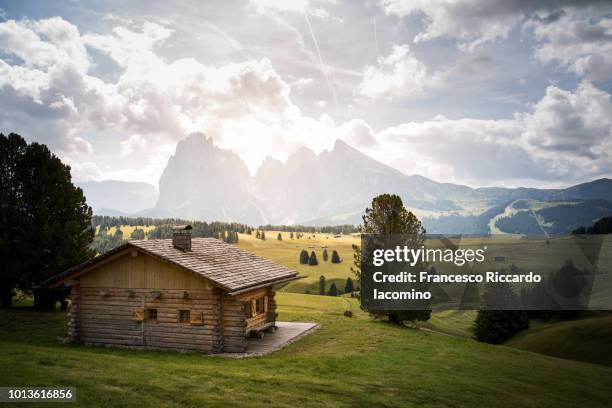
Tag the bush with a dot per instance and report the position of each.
(349, 287)
(304, 258)
(312, 261)
(497, 326)
(335, 257)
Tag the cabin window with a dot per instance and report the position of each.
(151, 314)
(257, 306)
(184, 316)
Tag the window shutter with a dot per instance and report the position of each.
(138, 315)
(265, 304)
(197, 319)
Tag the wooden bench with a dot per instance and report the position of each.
(259, 331)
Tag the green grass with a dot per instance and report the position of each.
(287, 253)
(347, 362)
(584, 340)
(452, 322)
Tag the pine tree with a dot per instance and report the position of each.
(291, 235)
(263, 235)
(348, 287)
(497, 326)
(137, 234)
(333, 290)
(321, 285)
(279, 236)
(258, 235)
(312, 261)
(335, 258)
(325, 255)
(493, 325)
(304, 257)
(45, 222)
(389, 216)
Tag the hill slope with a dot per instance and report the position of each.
(583, 340)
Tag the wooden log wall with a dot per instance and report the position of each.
(73, 313)
(107, 317)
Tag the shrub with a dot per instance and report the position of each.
(497, 326)
(312, 261)
(304, 258)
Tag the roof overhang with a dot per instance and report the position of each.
(263, 285)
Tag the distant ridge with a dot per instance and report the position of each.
(203, 181)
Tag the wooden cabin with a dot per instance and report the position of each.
(183, 293)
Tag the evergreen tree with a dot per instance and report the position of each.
(348, 287)
(291, 235)
(335, 258)
(333, 290)
(389, 216)
(321, 285)
(263, 235)
(304, 257)
(312, 261)
(45, 222)
(497, 326)
(279, 236)
(258, 235)
(325, 255)
(137, 234)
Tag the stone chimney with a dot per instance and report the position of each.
(181, 237)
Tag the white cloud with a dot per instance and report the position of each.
(247, 107)
(135, 144)
(83, 171)
(472, 22)
(357, 133)
(580, 43)
(398, 74)
(44, 43)
(244, 106)
(280, 5)
(567, 129)
(566, 135)
(567, 24)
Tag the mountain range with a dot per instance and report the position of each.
(202, 181)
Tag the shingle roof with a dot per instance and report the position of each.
(224, 264)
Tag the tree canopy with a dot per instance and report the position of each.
(388, 216)
(45, 222)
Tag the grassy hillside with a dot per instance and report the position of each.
(584, 340)
(287, 252)
(452, 322)
(347, 362)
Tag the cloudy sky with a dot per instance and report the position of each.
(479, 92)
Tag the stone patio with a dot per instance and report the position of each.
(286, 333)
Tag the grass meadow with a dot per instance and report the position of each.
(348, 362)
